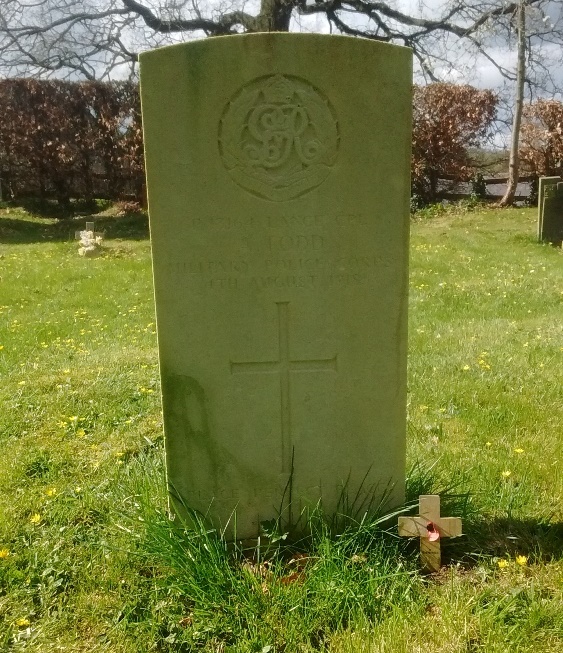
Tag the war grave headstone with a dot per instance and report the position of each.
(278, 190)
(543, 183)
(552, 214)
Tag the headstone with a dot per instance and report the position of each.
(278, 188)
(543, 183)
(552, 218)
(90, 227)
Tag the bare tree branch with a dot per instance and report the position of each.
(98, 38)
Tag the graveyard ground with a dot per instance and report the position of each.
(88, 560)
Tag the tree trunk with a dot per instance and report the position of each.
(274, 16)
(514, 161)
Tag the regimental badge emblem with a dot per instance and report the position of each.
(278, 137)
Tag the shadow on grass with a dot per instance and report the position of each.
(540, 540)
(507, 538)
(16, 227)
(49, 208)
(500, 538)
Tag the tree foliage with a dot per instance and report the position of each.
(447, 120)
(542, 137)
(101, 39)
(70, 139)
(84, 139)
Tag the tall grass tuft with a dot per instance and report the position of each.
(291, 595)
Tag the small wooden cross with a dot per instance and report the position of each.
(430, 527)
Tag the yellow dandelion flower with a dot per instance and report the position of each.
(21, 382)
(4, 553)
(81, 433)
(35, 518)
(522, 560)
(502, 563)
(119, 454)
(1, 347)
(506, 473)
(66, 371)
(518, 450)
(488, 444)
(78, 489)
(465, 368)
(74, 418)
(51, 492)
(22, 622)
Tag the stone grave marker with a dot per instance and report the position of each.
(278, 190)
(552, 214)
(90, 240)
(543, 183)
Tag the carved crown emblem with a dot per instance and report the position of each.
(278, 137)
(278, 90)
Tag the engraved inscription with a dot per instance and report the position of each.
(284, 366)
(280, 251)
(278, 137)
(553, 190)
(297, 242)
(277, 222)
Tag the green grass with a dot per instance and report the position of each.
(89, 560)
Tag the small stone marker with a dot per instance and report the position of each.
(552, 214)
(430, 528)
(278, 188)
(90, 241)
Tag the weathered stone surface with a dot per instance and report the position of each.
(278, 183)
(552, 218)
(543, 183)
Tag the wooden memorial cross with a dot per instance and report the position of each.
(430, 527)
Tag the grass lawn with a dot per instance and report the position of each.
(89, 561)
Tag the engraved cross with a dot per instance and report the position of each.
(284, 366)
